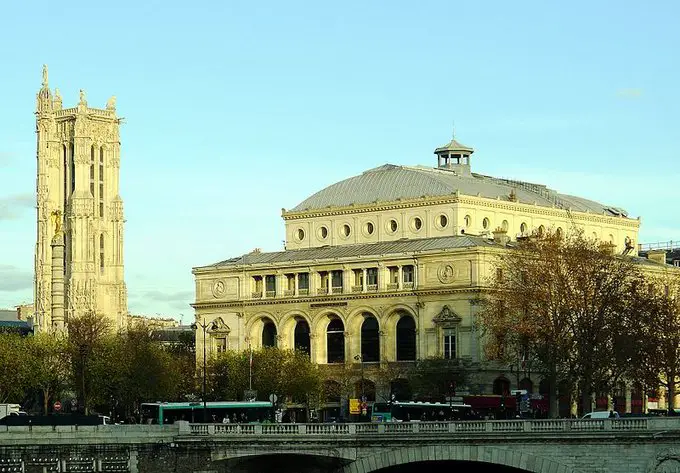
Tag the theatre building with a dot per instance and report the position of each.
(386, 267)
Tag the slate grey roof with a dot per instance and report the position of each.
(404, 246)
(391, 182)
(8, 314)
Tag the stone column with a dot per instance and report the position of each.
(297, 285)
(400, 282)
(363, 285)
(58, 282)
(383, 277)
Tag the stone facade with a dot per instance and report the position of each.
(370, 270)
(78, 164)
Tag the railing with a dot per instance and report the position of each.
(270, 293)
(392, 287)
(256, 295)
(289, 292)
(517, 426)
(357, 288)
(660, 245)
(303, 292)
(371, 288)
(336, 290)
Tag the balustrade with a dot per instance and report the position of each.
(514, 426)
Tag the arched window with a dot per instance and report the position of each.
(541, 230)
(92, 153)
(501, 386)
(406, 339)
(523, 228)
(302, 336)
(559, 233)
(505, 225)
(101, 181)
(335, 342)
(268, 334)
(365, 388)
(468, 221)
(527, 384)
(370, 340)
(101, 252)
(400, 390)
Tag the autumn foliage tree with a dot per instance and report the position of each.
(569, 302)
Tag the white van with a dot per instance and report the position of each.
(601, 415)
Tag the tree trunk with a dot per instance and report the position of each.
(671, 391)
(586, 397)
(46, 400)
(554, 401)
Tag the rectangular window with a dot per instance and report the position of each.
(449, 344)
(270, 283)
(407, 273)
(303, 281)
(221, 344)
(257, 285)
(336, 280)
(372, 276)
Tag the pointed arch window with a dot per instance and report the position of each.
(101, 252)
(370, 340)
(406, 339)
(92, 176)
(101, 181)
(335, 341)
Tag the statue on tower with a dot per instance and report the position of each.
(44, 76)
(111, 103)
(56, 220)
(83, 100)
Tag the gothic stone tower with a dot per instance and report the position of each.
(79, 209)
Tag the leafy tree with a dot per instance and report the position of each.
(571, 303)
(287, 373)
(14, 371)
(659, 361)
(49, 366)
(86, 336)
(435, 378)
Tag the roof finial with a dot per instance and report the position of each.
(453, 130)
(44, 76)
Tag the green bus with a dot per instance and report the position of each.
(412, 411)
(236, 411)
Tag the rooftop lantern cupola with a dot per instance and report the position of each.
(454, 156)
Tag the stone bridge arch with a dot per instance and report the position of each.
(470, 453)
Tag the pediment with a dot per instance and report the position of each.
(447, 317)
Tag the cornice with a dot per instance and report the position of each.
(462, 199)
(340, 298)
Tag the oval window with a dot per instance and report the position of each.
(468, 221)
(443, 221)
(369, 228)
(323, 233)
(485, 223)
(523, 228)
(346, 230)
(393, 225)
(417, 224)
(300, 234)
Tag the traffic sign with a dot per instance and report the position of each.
(273, 398)
(57, 406)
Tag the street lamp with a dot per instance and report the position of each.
(204, 327)
(358, 358)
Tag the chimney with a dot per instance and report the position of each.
(500, 236)
(658, 256)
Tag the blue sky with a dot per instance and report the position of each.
(234, 110)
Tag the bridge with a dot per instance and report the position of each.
(628, 445)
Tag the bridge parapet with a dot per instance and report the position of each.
(506, 427)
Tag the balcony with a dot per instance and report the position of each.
(289, 292)
(357, 288)
(336, 290)
(372, 288)
(408, 285)
(322, 291)
(392, 287)
(270, 294)
(256, 295)
(303, 292)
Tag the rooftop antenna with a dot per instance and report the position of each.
(453, 130)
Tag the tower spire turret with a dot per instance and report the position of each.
(454, 156)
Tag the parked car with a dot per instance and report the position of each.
(602, 415)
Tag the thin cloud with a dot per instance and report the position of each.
(14, 279)
(162, 296)
(629, 93)
(12, 206)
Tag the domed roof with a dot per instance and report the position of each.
(391, 182)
